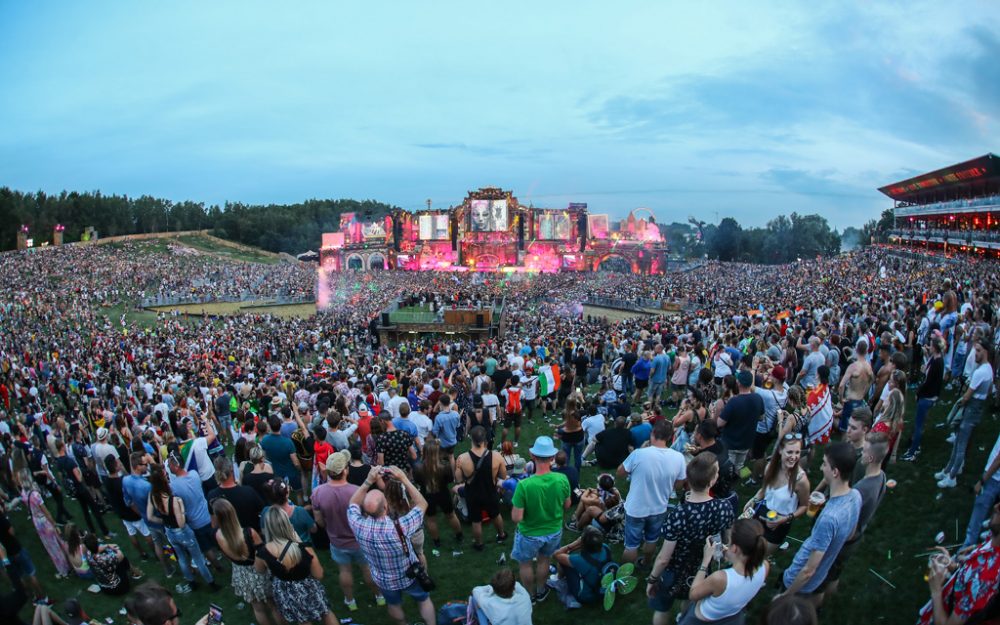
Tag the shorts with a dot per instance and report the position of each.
(678, 387)
(512, 419)
(206, 537)
(136, 527)
(439, 502)
(305, 464)
(663, 599)
(528, 547)
(641, 384)
(529, 405)
(774, 536)
(21, 564)
(395, 597)
(476, 508)
(643, 529)
(656, 389)
(346, 557)
(761, 442)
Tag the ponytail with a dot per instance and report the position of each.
(748, 535)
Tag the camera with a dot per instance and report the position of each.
(417, 572)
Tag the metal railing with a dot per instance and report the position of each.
(955, 206)
(958, 236)
(247, 298)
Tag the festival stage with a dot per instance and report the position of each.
(491, 231)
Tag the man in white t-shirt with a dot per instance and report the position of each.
(654, 472)
(974, 403)
(101, 450)
(395, 401)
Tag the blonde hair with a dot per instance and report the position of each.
(278, 529)
(892, 413)
(229, 525)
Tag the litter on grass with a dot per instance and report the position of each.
(875, 573)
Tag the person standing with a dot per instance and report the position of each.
(386, 542)
(73, 478)
(135, 492)
(856, 382)
(170, 511)
(187, 486)
(660, 367)
(134, 525)
(685, 530)
(974, 402)
(479, 470)
(247, 503)
(835, 524)
(927, 396)
(537, 507)
(738, 420)
(807, 376)
(239, 544)
(446, 426)
(330, 501)
(654, 471)
(41, 518)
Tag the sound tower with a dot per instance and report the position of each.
(454, 232)
(520, 230)
(582, 230)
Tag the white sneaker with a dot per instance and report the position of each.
(940, 475)
(947, 482)
(951, 439)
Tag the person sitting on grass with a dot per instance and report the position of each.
(594, 503)
(109, 565)
(502, 602)
(581, 564)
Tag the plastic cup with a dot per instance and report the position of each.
(816, 501)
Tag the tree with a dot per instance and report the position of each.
(727, 241)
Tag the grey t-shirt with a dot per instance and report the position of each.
(810, 366)
(872, 490)
(834, 526)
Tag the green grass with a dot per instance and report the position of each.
(905, 525)
(230, 253)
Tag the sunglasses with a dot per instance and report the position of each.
(793, 436)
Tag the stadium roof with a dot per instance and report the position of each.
(976, 177)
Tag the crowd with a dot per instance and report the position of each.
(265, 451)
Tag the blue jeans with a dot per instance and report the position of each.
(845, 413)
(572, 449)
(528, 547)
(923, 407)
(628, 383)
(970, 419)
(186, 549)
(981, 510)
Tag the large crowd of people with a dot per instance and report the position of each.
(267, 450)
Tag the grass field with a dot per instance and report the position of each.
(209, 246)
(905, 525)
(612, 314)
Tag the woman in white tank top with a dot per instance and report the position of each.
(784, 491)
(720, 598)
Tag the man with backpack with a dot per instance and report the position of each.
(512, 409)
(479, 470)
(582, 563)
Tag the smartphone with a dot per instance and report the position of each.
(214, 614)
(578, 492)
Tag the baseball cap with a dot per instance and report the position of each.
(778, 373)
(337, 462)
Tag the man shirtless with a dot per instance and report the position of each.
(480, 476)
(855, 383)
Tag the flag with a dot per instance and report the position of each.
(546, 381)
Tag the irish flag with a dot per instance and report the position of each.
(546, 381)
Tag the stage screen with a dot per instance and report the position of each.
(333, 240)
(598, 226)
(488, 215)
(433, 227)
(554, 226)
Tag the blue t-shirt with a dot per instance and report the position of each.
(278, 450)
(288, 428)
(835, 524)
(661, 365)
(446, 428)
(640, 434)
(135, 491)
(406, 425)
(810, 367)
(188, 488)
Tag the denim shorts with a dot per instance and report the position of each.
(347, 556)
(22, 564)
(528, 547)
(395, 597)
(642, 529)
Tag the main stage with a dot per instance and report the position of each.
(492, 231)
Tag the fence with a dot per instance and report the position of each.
(277, 300)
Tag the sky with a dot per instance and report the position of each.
(725, 109)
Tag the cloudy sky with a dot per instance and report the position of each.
(742, 109)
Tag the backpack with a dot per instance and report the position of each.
(513, 400)
(594, 585)
(454, 613)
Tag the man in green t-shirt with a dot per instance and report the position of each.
(538, 507)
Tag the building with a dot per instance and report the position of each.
(952, 210)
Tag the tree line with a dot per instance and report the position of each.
(291, 228)
(294, 228)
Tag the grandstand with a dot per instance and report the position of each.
(954, 210)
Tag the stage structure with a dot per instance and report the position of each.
(491, 231)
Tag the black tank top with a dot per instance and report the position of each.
(296, 573)
(169, 519)
(481, 485)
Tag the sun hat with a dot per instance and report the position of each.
(543, 447)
